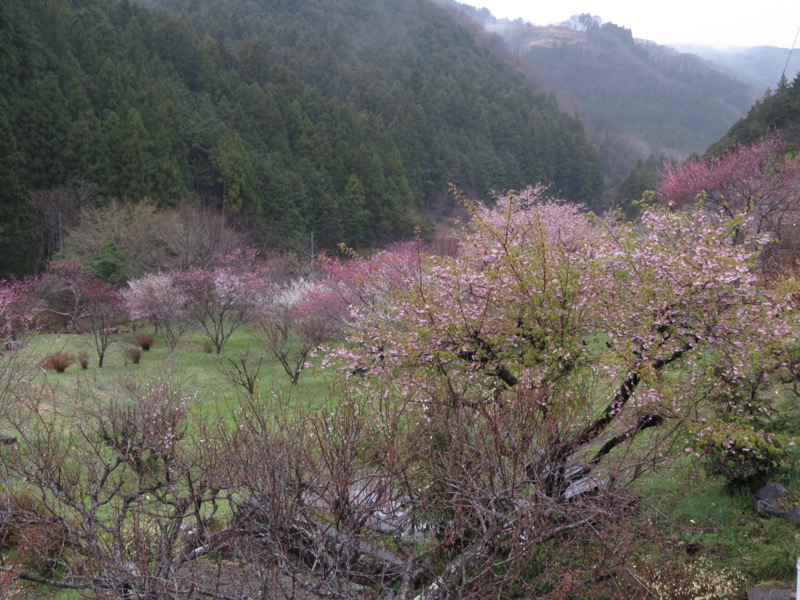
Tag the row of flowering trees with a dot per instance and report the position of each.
(495, 407)
(214, 301)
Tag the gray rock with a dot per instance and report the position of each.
(582, 486)
(769, 593)
(772, 491)
(766, 501)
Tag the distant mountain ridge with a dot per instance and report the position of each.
(761, 66)
(637, 98)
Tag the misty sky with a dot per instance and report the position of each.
(706, 22)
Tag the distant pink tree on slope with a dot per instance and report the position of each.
(759, 184)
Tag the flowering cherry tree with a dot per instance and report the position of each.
(223, 297)
(302, 316)
(554, 357)
(158, 299)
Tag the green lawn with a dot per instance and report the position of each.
(196, 370)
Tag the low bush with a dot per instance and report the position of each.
(746, 460)
(145, 341)
(134, 354)
(23, 528)
(83, 360)
(58, 361)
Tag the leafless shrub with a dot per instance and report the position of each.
(124, 487)
(242, 371)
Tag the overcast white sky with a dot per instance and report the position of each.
(714, 23)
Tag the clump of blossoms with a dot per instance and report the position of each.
(613, 328)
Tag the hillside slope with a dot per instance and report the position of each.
(638, 98)
(348, 119)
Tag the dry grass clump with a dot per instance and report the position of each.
(144, 341)
(134, 354)
(58, 361)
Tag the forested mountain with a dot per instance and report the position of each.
(345, 118)
(638, 98)
(778, 110)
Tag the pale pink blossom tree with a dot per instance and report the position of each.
(158, 299)
(301, 317)
(224, 297)
(553, 361)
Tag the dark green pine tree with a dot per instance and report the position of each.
(236, 174)
(17, 235)
(41, 129)
(356, 216)
(87, 155)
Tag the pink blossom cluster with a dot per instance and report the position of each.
(600, 321)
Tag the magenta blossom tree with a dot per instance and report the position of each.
(19, 308)
(757, 183)
(223, 297)
(70, 292)
(359, 281)
(61, 291)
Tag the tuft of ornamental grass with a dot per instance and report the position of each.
(144, 341)
(134, 354)
(58, 361)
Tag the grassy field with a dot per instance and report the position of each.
(197, 370)
(689, 514)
